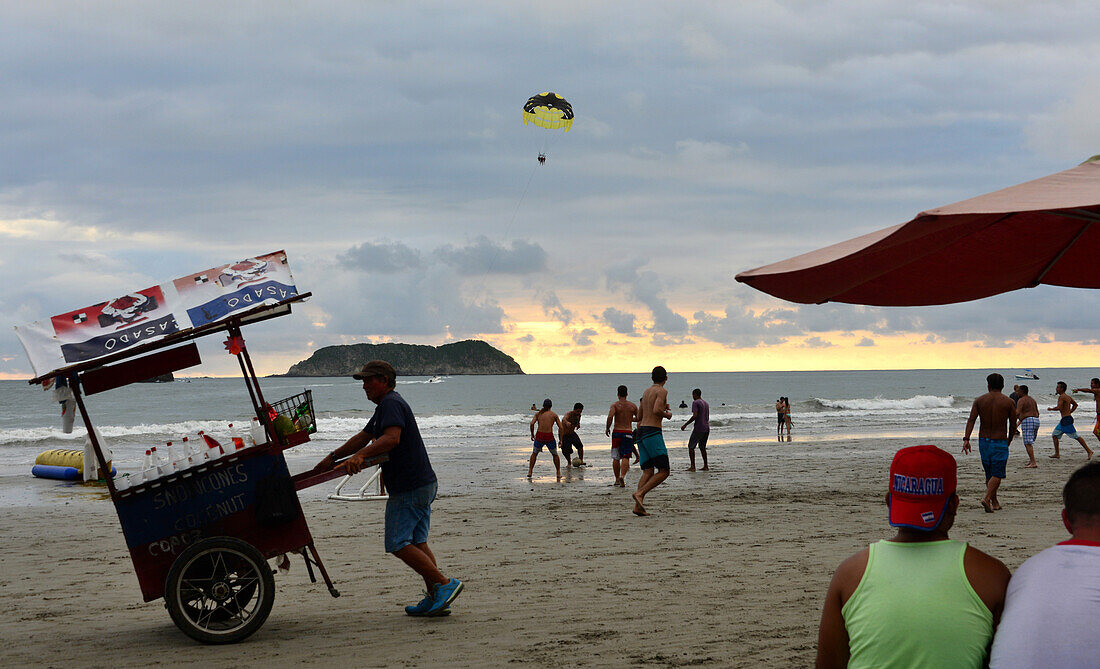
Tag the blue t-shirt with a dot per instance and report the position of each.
(408, 467)
(702, 415)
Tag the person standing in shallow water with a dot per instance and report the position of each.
(779, 419)
(787, 416)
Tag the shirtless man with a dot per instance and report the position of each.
(1066, 406)
(545, 419)
(1094, 388)
(1027, 413)
(621, 419)
(569, 437)
(998, 415)
(651, 443)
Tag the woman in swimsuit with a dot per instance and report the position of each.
(779, 418)
(787, 415)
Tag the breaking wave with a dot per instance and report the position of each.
(917, 402)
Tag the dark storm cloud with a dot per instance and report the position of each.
(484, 257)
(584, 337)
(383, 257)
(619, 321)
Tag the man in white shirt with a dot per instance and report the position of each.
(1053, 599)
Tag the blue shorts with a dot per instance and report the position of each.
(408, 517)
(651, 448)
(551, 446)
(622, 445)
(1065, 426)
(994, 454)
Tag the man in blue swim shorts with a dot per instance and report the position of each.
(651, 443)
(998, 421)
(1066, 406)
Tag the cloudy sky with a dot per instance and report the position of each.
(381, 145)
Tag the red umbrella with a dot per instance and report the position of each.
(1042, 231)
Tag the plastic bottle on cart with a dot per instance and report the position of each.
(238, 442)
(148, 469)
(188, 458)
(257, 432)
(172, 454)
(165, 466)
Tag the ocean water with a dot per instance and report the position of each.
(476, 427)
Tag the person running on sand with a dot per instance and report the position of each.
(545, 419)
(998, 415)
(620, 418)
(1066, 406)
(651, 443)
(1094, 388)
(700, 415)
(1027, 413)
(569, 437)
(919, 599)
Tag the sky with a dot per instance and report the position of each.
(381, 145)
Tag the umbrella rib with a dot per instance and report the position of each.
(1054, 261)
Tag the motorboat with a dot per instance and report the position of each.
(1028, 375)
(436, 379)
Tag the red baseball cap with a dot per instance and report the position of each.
(922, 480)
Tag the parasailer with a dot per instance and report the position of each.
(550, 111)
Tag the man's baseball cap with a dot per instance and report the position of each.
(922, 480)
(377, 368)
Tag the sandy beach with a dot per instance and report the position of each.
(730, 570)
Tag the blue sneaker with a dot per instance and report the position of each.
(444, 595)
(424, 606)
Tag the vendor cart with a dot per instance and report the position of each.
(201, 535)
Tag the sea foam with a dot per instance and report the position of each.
(916, 402)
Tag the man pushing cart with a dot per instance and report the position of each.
(410, 480)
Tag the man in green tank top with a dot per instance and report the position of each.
(918, 599)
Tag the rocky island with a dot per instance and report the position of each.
(463, 357)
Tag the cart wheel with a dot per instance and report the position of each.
(219, 591)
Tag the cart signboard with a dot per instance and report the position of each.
(163, 518)
(153, 313)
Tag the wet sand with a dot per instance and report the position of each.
(730, 569)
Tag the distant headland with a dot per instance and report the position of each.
(463, 357)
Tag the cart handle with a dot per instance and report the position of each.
(314, 477)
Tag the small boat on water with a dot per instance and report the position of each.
(1028, 374)
(436, 379)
